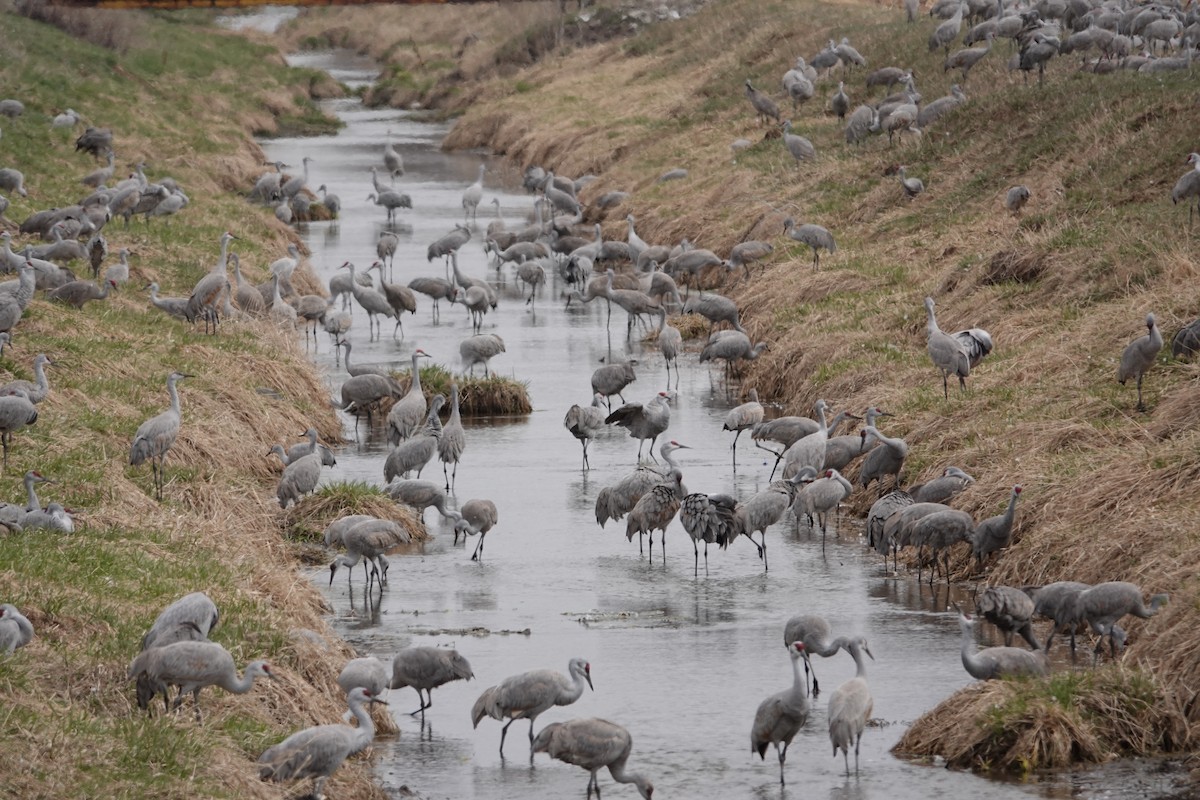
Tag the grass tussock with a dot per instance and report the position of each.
(307, 520)
(494, 396)
(1068, 718)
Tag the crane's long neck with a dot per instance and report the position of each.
(833, 426)
(756, 351)
(220, 267)
(32, 503)
(575, 691)
(969, 659)
(931, 326)
(312, 441)
(662, 319)
(277, 298)
(849, 487)
(1156, 340)
(240, 685)
(1010, 512)
(28, 282)
(822, 427)
(174, 395)
(617, 770)
(416, 374)
(860, 667)
(797, 680)
(365, 733)
(454, 412)
(39, 375)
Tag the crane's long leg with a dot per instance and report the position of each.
(503, 733)
(782, 758)
(706, 558)
(1140, 406)
(478, 554)
(696, 560)
(764, 550)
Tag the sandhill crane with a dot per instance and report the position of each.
(207, 296)
(119, 273)
(933, 111)
(670, 343)
(95, 141)
(952, 481)
(886, 77)
(741, 254)
(368, 673)
(814, 236)
(1104, 605)
(781, 716)
(976, 343)
(585, 423)
(311, 308)
(787, 431)
(436, 289)
(369, 540)
(995, 533)
(479, 349)
(912, 186)
(453, 440)
(840, 101)
(1186, 343)
(862, 123)
(154, 437)
(15, 629)
(732, 347)
(193, 665)
(849, 709)
(60, 249)
(176, 307)
(372, 300)
(449, 244)
(814, 633)
(391, 202)
(1011, 610)
(408, 413)
(612, 379)
(764, 106)
(767, 507)
(997, 662)
(633, 301)
(529, 694)
(421, 495)
(615, 501)
(940, 531)
(592, 744)
(190, 618)
(317, 752)
(809, 450)
(400, 298)
(301, 475)
(533, 275)
(300, 450)
(36, 391)
(716, 309)
(841, 451)
(709, 519)
(888, 459)
(385, 249)
(78, 293)
(473, 195)
(654, 510)
(1037, 51)
(948, 31)
(14, 513)
(800, 147)
(946, 352)
(414, 452)
(476, 516)
(15, 108)
(1187, 188)
(292, 186)
(742, 417)
(425, 669)
(880, 510)
(849, 57)
(392, 159)
(11, 180)
(798, 83)
(643, 421)
(822, 496)
(1056, 602)
(1139, 356)
(963, 60)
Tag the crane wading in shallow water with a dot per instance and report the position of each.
(527, 695)
(593, 744)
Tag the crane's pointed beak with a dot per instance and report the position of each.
(588, 676)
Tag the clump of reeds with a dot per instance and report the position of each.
(307, 520)
(477, 397)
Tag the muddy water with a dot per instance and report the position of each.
(681, 661)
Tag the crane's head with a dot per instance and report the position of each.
(1017, 489)
(421, 353)
(796, 649)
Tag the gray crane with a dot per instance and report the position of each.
(586, 423)
(840, 101)
(368, 673)
(194, 665)
(897, 526)
(1187, 188)
(427, 668)
(814, 236)
(1017, 196)
(716, 309)
(945, 33)
(670, 344)
(743, 417)
(416, 451)
(781, 716)
(14, 108)
(951, 482)
(849, 57)
(369, 540)
(449, 243)
(95, 141)
(391, 202)
(935, 110)
(741, 254)
(976, 343)
(529, 694)
(400, 298)
(815, 634)
(767, 507)
(654, 510)
(946, 352)
(249, 300)
(436, 289)
(800, 147)
(301, 475)
(15, 629)
(317, 752)
(473, 195)
(335, 530)
(78, 293)
(940, 531)
(644, 422)
(615, 501)
(475, 517)
(822, 496)
(998, 662)
(190, 618)
(887, 77)
(301, 449)
(691, 263)
(207, 296)
(787, 431)
(11, 180)
(60, 249)
(633, 301)
(798, 83)
(292, 186)
(1104, 605)
(850, 708)
(119, 273)
(479, 349)
(311, 308)
(332, 203)
(912, 186)
(372, 300)
(39, 388)
(612, 379)
(841, 451)
(963, 60)
(339, 286)
(862, 122)
(453, 440)
(421, 495)
(764, 106)
(364, 392)
(533, 275)
(1036, 52)
(1011, 610)
(408, 414)
(12, 513)
(880, 510)
(709, 519)
(392, 159)
(995, 533)
(176, 307)
(1186, 343)
(1139, 356)
(809, 450)
(53, 517)
(475, 299)
(385, 249)
(155, 436)
(593, 744)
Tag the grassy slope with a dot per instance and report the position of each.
(1109, 491)
(181, 99)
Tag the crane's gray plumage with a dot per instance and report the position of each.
(156, 435)
(190, 618)
(644, 422)
(529, 694)
(301, 475)
(418, 450)
(475, 517)
(408, 414)
(370, 540)
(15, 629)
(809, 450)
(1056, 602)
(368, 673)
(193, 665)
(814, 236)
(767, 507)
(815, 634)
(940, 531)
(317, 752)
(963, 60)
(998, 662)
(425, 669)
(976, 343)
(206, 299)
(731, 347)
(946, 352)
(881, 509)
(1187, 188)
(1017, 196)
(822, 496)
(592, 744)
(743, 417)
(655, 509)
(945, 33)
(709, 519)
(764, 106)
(716, 309)
(473, 195)
(612, 379)
(615, 501)
(585, 423)
(840, 102)
(1011, 610)
(391, 202)
(933, 111)
(479, 349)
(421, 495)
(995, 533)
(850, 708)
(952, 481)
(453, 439)
(800, 147)
(781, 716)
(37, 390)
(1139, 356)
(443, 247)
(912, 186)
(1102, 606)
